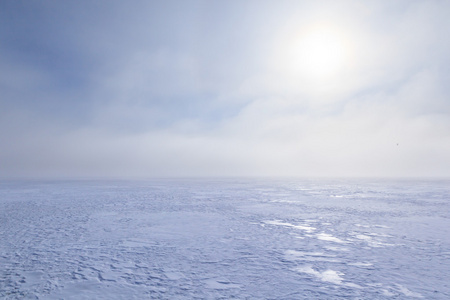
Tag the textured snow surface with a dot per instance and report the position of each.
(223, 239)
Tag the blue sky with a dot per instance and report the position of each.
(224, 88)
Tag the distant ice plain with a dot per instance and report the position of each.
(223, 239)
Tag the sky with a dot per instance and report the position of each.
(224, 88)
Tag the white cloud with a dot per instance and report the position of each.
(219, 96)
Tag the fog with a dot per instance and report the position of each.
(261, 88)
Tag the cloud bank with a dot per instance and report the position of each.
(199, 88)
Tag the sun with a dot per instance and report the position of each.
(320, 52)
(316, 54)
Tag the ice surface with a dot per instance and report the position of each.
(328, 275)
(306, 228)
(222, 239)
(329, 237)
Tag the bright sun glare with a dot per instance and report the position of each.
(321, 52)
(317, 54)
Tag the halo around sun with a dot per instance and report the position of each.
(320, 52)
(316, 54)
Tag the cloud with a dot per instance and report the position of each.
(205, 89)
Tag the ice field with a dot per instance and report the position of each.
(225, 239)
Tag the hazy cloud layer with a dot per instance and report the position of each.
(201, 88)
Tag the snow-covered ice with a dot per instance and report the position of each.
(328, 275)
(222, 239)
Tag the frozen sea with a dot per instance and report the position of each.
(225, 239)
